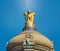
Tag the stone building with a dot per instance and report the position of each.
(30, 39)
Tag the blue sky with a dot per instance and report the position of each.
(47, 19)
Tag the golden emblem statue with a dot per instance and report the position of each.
(29, 17)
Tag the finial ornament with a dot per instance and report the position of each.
(29, 17)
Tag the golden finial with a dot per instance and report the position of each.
(29, 17)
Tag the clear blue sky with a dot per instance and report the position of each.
(47, 19)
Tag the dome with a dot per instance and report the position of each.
(30, 39)
(38, 39)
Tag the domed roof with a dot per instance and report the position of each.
(38, 39)
(29, 37)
